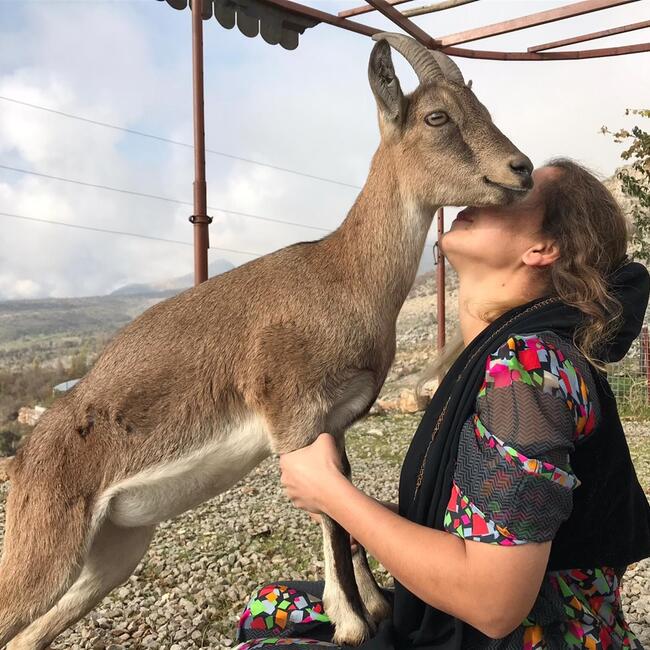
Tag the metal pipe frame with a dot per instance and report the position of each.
(591, 37)
(440, 282)
(531, 20)
(439, 6)
(387, 8)
(199, 219)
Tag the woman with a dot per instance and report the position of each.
(519, 508)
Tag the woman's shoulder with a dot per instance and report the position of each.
(549, 364)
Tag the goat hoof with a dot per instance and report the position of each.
(379, 608)
(352, 632)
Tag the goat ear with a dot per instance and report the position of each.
(385, 84)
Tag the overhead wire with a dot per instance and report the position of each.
(157, 197)
(122, 232)
(179, 143)
(163, 198)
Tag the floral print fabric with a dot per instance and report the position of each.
(277, 608)
(284, 642)
(281, 614)
(513, 485)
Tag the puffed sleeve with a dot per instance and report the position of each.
(513, 482)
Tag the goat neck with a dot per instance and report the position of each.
(381, 240)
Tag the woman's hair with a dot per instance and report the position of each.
(588, 225)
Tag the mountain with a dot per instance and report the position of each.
(174, 284)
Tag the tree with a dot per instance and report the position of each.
(635, 181)
(8, 442)
(79, 365)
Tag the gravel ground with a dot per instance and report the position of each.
(202, 566)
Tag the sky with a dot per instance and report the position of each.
(128, 63)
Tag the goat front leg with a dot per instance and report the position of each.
(352, 623)
(342, 588)
(342, 601)
(371, 595)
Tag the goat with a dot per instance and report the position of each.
(197, 390)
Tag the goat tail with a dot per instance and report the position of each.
(6, 465)
(45, 543)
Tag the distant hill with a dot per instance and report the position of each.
(52, 329)
(174, 284)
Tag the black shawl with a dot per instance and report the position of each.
(610, 521)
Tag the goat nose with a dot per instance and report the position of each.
(522, 166)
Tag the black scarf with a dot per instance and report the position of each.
(610, 521)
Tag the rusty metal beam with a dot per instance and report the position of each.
(591, 37)
(359, 28)
(441, 288)
(439, 6)
(199, 219)
(364, 9)
(324, 17)
(402, 21)
(547, 56)
(531, 20)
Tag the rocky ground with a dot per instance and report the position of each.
(201, 567)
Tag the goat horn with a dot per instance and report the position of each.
(448, 67)
(425, 66)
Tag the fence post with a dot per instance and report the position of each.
(645, 360)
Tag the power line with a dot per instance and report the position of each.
(121, 232)
(177, 142)
(127, 234)
(167, 199)
(157, 197)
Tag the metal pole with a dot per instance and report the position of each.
(440, 280)
(200, 218)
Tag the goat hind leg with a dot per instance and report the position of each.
(44, 546)
(114, 554)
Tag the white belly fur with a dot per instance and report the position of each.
(165, 491)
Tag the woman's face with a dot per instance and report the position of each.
(497, 238)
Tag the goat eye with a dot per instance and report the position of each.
(436, 119)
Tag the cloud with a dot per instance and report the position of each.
(310, 109)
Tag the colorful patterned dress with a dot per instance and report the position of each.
(512, 485)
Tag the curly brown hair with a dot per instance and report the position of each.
(592, 233)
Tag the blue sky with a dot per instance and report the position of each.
(128, 63)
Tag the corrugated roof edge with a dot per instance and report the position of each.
(255, 17)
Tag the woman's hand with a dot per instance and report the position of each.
(310, 473)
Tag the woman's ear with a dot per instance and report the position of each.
(543, 253)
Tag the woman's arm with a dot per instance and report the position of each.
(354, 543)
(491, 587)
